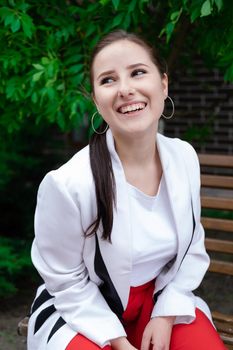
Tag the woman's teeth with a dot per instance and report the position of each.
(132, 108)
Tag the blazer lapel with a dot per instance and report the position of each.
(178, 188)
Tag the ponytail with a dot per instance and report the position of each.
(105, 187)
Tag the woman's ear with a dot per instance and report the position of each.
(165, 84)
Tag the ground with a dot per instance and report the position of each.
(9, 318)
(216, 290)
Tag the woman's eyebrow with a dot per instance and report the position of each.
(128, 67)
(137, 65)
(105, 73)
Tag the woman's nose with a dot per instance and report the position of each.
(125, 90)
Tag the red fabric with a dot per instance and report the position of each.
(80, 342)
(138, 311)
(199, 335)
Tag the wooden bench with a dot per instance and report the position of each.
(217, 219)
(217, 190)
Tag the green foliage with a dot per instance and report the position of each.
(209, 25)
(14, 263)
(26, 156)
(45, 49)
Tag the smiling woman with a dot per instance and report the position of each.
(128, 89)
(118, 239)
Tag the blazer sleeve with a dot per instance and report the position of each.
(57, 255)
(177, 299)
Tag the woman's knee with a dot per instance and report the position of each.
(81, 342)
(200, 334)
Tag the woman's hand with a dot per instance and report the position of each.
(121, 343)
(158, 333)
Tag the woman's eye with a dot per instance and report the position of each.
(137, 72)
(107, 80)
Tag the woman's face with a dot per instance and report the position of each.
(128, 89)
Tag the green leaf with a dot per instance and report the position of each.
(50, 91)
(174, 15)
(34, 97)
(61, 87)
(27, 24)
(90, 30)
(45, 60)
(141, 4)
(206, 8)
(116, 3)
(195, 14)
(104, 2)
(118, 19)
(12, 3)
(73, 59)
(132, 5)
(15, 25)
(75, 69)
(38, 66)
(127, 21)
(61, 120)
(10, 18)
(37, 76)
(77, 79)
(169, 30)
(219, 4)
(5, 12)
(23, 7)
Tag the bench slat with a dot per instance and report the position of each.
(223, 267)
(219, 316)
(227, 339)
(217, 203)
(226, 328)
(219, 245)
(217, 160)
(217, 224)
(217, 181)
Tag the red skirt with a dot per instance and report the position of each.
(199, 335)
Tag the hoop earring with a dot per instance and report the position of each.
(93, 127)
(173, 109)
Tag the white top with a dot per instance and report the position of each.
(154, 237)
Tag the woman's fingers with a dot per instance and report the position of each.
(146, 340)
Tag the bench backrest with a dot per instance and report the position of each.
(217, 209)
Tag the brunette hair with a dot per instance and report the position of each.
(100, 159)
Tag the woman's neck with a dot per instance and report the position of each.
(141, 162)
(136, 151)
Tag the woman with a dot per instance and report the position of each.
(118, 239)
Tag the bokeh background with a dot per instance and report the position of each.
(45, 108)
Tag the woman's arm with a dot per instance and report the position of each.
(57, 253)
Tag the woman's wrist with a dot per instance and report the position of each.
(118, 342)
(169, 319)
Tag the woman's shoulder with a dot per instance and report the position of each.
(177, 145)
(74, 174)
(181, 150)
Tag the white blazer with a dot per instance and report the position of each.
(86, 277)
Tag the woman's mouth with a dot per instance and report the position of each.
(131, 108)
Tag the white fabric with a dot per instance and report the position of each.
(154, 240)
(66, 206)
